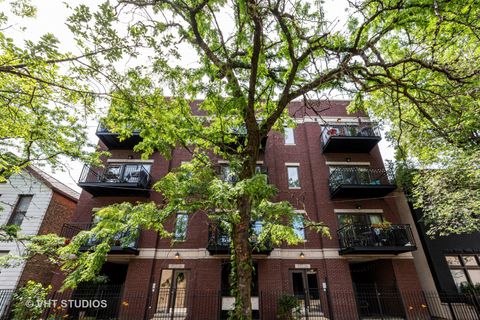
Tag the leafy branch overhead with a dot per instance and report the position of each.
(413, 64)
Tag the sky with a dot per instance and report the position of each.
(51, 16)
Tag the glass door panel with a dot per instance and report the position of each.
(172, 290)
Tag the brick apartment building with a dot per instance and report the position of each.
(328, 167)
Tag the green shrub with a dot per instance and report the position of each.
(469, 288)
(288, 307)
(30, 301)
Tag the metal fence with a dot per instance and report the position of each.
(349, 130)
(131, 173)
(358, 176)
(116, 303)
(362, 235)
(6, 297)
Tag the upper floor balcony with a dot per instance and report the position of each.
(225, 173)
(116, 179)
(350, 137)
(112, 140)
(376, 239)
(240, 135)
(69, 230)
(359, 182)
(219, 241)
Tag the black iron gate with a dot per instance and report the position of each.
(384, 302)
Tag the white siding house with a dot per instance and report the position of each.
(30, 211)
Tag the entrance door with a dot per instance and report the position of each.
(173, 292)
(305, 288)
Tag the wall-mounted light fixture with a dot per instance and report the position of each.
(302, 255)
(177, 255)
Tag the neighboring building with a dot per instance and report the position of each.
(453, 259)
(39, 204)
(330, 166)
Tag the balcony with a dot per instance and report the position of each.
(350, 137)
(219, 243)
(119, 179)
(359, 182)
(224, 172)
(112, 140)
(69, 230)
(372, 239)
(240, 135)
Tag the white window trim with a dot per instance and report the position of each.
(358, 210)
(345, 163)
(297, 165)
(285, 138)
(129, 161)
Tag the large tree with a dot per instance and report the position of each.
(412, 62)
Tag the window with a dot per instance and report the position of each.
(227, 175)
(465, 269)
(181, 224)
(358, 219)
(293, 177)
(298, 226)
(20, 209)
(289, 136)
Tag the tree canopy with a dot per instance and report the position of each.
(413, 64)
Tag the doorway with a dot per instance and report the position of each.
(172, 293)
(306, 290)
(376, 291)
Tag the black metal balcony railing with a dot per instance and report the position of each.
(117, 179)
(219, 242)
(69, 230)
(350, 137)
(358, 181)
(112, 141)
(240, 133)
(359, 238)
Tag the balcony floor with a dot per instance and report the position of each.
(113, 189)
(377, 250)
(350, 144)
(361, 191)
(112, 141)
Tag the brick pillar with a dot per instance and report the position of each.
(137, 289)
(340, 290)
(410, 290)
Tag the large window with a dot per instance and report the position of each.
(20, 210)
(181, 224)
(345, 219)
(293, 177)
(289, 136)
(465, 269)
(299, 227)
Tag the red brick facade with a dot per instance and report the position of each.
(60, 210)
(333, 272)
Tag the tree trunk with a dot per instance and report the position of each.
(243, 265)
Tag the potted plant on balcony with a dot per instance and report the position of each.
(385, 225)
(380, 231)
